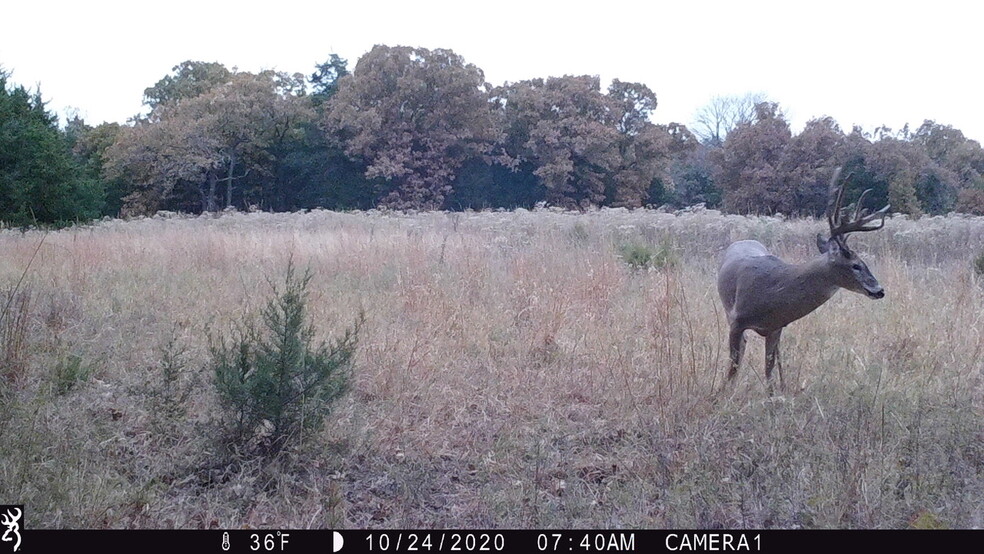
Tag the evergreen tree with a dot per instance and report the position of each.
(40, 181)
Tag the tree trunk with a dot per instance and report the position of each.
(208, 202)
(232, 168)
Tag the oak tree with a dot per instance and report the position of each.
(806, 165)
(585, 147)
(749, 171)
(412, 116)
(196, 150)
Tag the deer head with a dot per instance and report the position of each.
(848, 269)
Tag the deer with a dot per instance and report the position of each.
(764, 294)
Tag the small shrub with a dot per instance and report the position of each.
(641, 256)
(979, 264)
(274, 382)
(169, 390)
(927, 520)
(69, 372)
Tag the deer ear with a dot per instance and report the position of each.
(822, 244)
(837, 248)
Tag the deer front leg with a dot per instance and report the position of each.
(736, 341)
(772, 358)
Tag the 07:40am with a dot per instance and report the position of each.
(592, 542)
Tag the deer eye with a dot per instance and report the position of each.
(856, 267)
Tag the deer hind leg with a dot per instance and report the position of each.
(772, 358)
(736, 342)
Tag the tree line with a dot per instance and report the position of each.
(412, 128)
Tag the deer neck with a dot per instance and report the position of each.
(809, 285)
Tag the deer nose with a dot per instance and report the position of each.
(880, 293)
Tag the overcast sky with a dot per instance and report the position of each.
(862, 62)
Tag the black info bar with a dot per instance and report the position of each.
(522, 541)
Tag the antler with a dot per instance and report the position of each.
(859, 220)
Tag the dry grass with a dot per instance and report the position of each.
(513, 372)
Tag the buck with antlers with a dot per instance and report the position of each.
(762, 293)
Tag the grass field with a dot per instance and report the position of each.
(520, 369)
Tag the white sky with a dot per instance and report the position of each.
(861, 62)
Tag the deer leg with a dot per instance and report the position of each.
(772, 358)
(737, 349)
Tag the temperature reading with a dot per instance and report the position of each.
(268, 542)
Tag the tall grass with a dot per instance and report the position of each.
(512, 371)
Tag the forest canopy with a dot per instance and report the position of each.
(413, 128)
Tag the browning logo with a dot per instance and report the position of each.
(10, 517)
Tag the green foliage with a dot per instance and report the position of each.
(88, 145)
(40, 181)
(480, 185)
(310, 172)
(640, 256)
(693, 177)
(188, 80)
(927, 520)
(276, 382)
(172, 386)
(325, 78)
(70, 371)
(657, 195)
